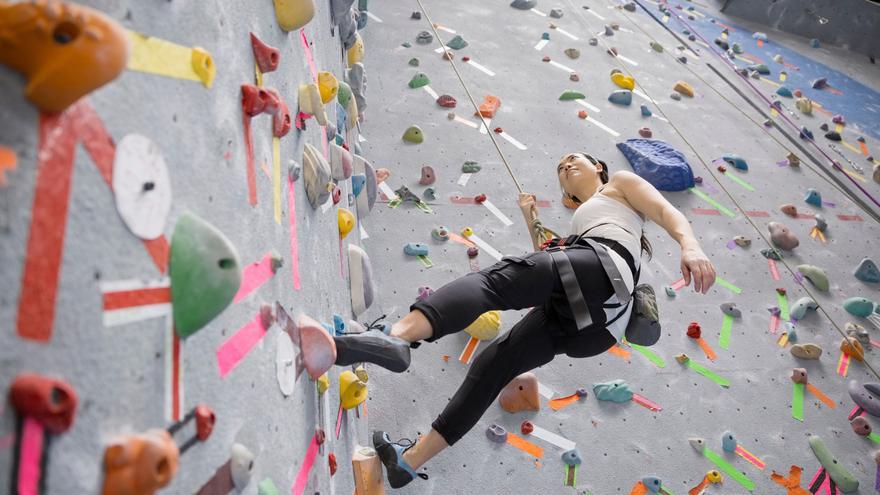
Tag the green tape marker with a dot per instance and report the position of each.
(394, 203)
(782, 302)
(797, 401)
(874, 437)
(727, 285)
(571, 475)
(730, 470)
(726, 327)
(648, 353)
(718, 206)
(425, 261)
(699, 368)
(740, 181)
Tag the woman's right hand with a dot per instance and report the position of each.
(528, 206)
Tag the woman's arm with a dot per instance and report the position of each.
(530, 213)
(647, 200)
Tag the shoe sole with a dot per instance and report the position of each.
(374, 347)
(388, 456)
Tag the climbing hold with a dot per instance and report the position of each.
(697, 444)
(446, 101)
(546, 58)
(759, 36)
(572, 457)
(360, 279)
(801, 306)
(857, 332)
(546, 36)
(323, 383)
(611, 51)
(574, 77)
(824, 126)
(581, 393)
(316, 173)
(728, 442)
(496, 433)
(735, 161)
(440, 233)
(815, 275)
(419, 80)
(789, 209)
(414, 62)
(852, 347)
(355, 54)
(424, 38)
(521, 394)
(652, 483)
(759, 68)
(742, 241)
(805, 105)
(294, 14)
(655, 161)
(556, 13)
(730, 309)
(693, 330)
(352, 390)
(782, 236)
(415, 249)
(241, 463)
(866, 396)
(614, 391)
(428, 176)
(140, 464)
(838, 119)
(318, 348)
(722, 44)
(608, 31)
(413, 135)
(867, 271)
(457, 43)
(593, 41)
(670, 292)
(341, 162)
(345, 220)
(793, 160)
(448, 55)
(814, 43)
(799, 375)
(682, 358)
(675, 96)
(645, 132)
(526, 427)
(682, 59)
(572, 53)
(845, 481)
(267, 57)
(424, 293)
(657, 47)
(49, 401)
(736, 48)
(205, 273)
(684, 88)
(582, 114)
(472, 252)
(858, 306)
(524, 4)
(833, 136)
(430, 194)
(623, 81)
(784, 91)
(486, 326)
(416, 16)
(382, 174)
(569, 95)
(819, 83)
(860, 426)
(806, 351)
(714, 477)
(310, 102)
(366, 201)
(646, 112)
(489, 106)
(621, 97)
(328, 86)
(467, 232)
(777, 58)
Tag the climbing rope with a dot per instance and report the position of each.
(730, 196)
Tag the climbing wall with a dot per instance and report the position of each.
(95, 203)
(519, 56)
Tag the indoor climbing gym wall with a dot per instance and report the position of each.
(764, 140)
(180, 188)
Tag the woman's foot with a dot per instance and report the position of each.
(373, 346)
(397, 470)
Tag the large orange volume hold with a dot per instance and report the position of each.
(66, 51)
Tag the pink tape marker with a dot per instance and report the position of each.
(774, 271)
(339, 421)
(29, 456)
(302, 478)
(239, 345)
(646, 403)
(752, 458)
(255, 275)
(294, 243)
(678, 284)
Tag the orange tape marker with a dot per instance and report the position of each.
(469, 350)
(562, 402)
(639, 489)
(821, 395)
(619, 352)
(8, 161)
(707, 349)
(525, 445)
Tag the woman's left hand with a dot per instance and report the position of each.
(695, 262)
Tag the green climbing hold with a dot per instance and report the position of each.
(737, 48)
(569, 95)
(838, 474)
(815, 275)
(205, 273)
(414, 62)
(470, 167)
(343, 94)
(657, 47)
(414, 135)
(267, 487)
(457, 43)
(406, 44)
(858, 306)
(419, 80)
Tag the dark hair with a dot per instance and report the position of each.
(603, 176)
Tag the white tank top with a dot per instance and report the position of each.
(611, 219)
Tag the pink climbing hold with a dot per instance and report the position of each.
(318, 348)
(645, 132)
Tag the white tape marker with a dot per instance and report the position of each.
(428, 89)
(513, 141)
(563, 31)
(444, 28)
(596, 14)
(584, 103)
(545, 391)
(541, 44)
(539, 12)
(463, 180)
(466, 122)
(364, 234)
(374, 17)
(560, 66)
(485, 247)
(628, 60)
(602, 126)
(550, 437)
(387, 191)
(481, 68)
(484, 128)
(498, 213)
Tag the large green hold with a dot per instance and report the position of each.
(457, 43)
(414, 135)
(815, 275)
(343, 95)
(839, 474)
(205, 273)
(569, 95)
(657, 47)
(858, 306)
(471, 167)
(419, 80)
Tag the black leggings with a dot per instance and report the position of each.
(547, 330)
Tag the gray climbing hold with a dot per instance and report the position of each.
(406, 44)
(858, 306)
(524, 4)
(867, 271)
(457, 43)
(424, 38)
(799, 309)
(608, 31)
(414, 62)
(430, 194)
(771, 254)
(496, 433)
(815, 275)
(621, 97)
(646, 112)
(572, 458)
(866, 396)
(759, 68)
(614, 391)
(858, 332)
(669, 291)
(777, 58)
(782, 236)
(814, 43)
(675, 96)
(722, 44)
(556, 13)
(657, 47)
(295, 169)
(736, 48)
(652, 483)
(629, 7)
(470, 167)
(730, 309)
(728, 442)
(593, 42)
(697, 443)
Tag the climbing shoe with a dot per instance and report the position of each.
(398, 472)
(373, 346)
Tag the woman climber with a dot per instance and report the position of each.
(608, 222)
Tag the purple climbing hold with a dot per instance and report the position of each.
(659, 163)
(806, 133)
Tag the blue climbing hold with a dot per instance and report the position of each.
(572, 457)
(339, 327)
(784, 91)
(614, 391)
(858, 306)
(806, 133)
(621, 97)
(735, 161)
(867, 271)
(759, 36)
(341, 118)
(792, 334)
(545, 36)
(415, 249)
(646, 112)
(813, 197)
(659, 163)
(652, 483)
(728, 442)
(357, 183)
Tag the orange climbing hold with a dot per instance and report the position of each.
(489, 106)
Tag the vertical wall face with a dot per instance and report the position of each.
(848, 23)
(121, 362)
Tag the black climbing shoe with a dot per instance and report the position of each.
(398, 472)
(373, 346)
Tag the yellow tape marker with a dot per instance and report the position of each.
(164, 58)
(276, 178)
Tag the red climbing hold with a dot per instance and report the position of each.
(780, 291)
(446, 101)
(693, 330)
(546, 58)
(722, 168)
(465, 59)
(337, 194)
(480, 198)
(498, 130)
(267, 57)
(331, 460)
(527, 427)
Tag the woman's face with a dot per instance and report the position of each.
(574, 170)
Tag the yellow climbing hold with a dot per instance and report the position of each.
(486, 326)
(356, 52)
(328, 85)
(624, 81)
(352, 391)
(294, 14)
(346, 222)
(684, 88)
(323, 383)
